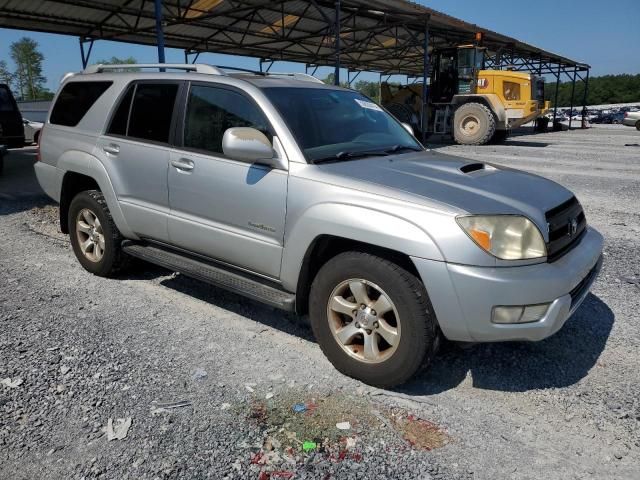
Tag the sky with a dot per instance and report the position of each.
(604, 34)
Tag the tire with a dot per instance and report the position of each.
(473, 124)
(500, 136)
(638, 125)
(411, 315)
(85, 208)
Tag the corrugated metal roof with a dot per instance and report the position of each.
(385, 36)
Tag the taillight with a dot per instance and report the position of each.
(626, 114)
(38, 144)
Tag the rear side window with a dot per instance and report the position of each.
(7, 103)
(152, 110)
(75, 100)
(145, 112)
(121, 116)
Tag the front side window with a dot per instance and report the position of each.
(213, 110)
(331, 123)
(75, 100)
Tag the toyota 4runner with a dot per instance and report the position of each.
(313, 199)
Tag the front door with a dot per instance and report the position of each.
(223, 208)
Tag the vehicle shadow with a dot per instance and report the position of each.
(558, 361)
(519, 143)
(268, 316)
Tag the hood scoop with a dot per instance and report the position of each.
(472, 167)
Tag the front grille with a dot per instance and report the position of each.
(562, 220)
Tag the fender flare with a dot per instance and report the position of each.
(85, 164)
(365, 225)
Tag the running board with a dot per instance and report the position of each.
(212, 274)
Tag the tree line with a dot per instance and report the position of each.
(602, 90)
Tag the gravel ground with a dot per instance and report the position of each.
(209, 380)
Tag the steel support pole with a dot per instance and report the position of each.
(159, 31)
(336, 28)
(573, 89)
(584, 99)
(424, 121)
(85, 55)
(555, 102)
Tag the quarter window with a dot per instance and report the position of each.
(75, 100)
(211, 111)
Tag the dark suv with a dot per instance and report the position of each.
(11, 127)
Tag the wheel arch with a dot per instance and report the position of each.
(85, 172)
(329, 229)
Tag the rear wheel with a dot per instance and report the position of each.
(95, 239)
(372, 319)
(473, 124)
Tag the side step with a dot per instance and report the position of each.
(214, 274)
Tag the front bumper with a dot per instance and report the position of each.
(463, 296)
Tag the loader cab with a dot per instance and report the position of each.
(455, 72)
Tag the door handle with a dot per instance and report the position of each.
(183, 164)
(111, 149)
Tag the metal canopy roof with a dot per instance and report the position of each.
(375, 35)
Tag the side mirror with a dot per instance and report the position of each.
(249, 145)
(408, 128)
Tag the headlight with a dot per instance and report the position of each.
(508, 237)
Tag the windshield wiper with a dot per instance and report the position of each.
(351, 155)
(400, 148)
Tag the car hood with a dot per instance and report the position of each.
(469, 186)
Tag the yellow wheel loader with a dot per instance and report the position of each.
(474, 105)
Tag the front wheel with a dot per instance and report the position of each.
(372, 319)
(473, 124)
(638, 125)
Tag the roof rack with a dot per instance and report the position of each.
(195, 67)
(305, 77)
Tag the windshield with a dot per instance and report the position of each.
(339, 124)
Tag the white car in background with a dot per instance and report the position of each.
(31, 131)
(632, 119)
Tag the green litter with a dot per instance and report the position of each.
(307, 446)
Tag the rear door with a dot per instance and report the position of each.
(135, 152)
(223, 208)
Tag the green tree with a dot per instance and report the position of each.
(370, 89)
(28, 76)
(120, 61)
(5, 74)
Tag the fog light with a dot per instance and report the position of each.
(519, 314)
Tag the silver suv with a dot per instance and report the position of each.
(312, 198)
